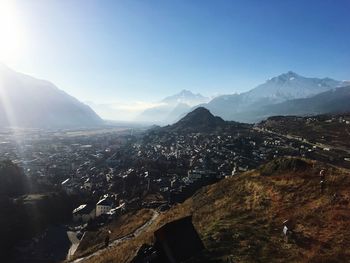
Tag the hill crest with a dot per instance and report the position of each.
(200, 119)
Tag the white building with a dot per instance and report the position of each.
(103, 206)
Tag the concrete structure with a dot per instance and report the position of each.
(178, 241)
(103, 206)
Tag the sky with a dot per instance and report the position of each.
(136, 52)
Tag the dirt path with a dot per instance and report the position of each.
(75, 243)
(136, 233)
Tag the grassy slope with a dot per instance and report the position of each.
(120, 227)
(240, 218)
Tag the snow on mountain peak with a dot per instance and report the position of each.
(186, 97)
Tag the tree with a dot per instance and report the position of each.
(13, 181)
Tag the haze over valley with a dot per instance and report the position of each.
(179, 131)
(43, 105)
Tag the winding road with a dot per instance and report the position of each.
(115, 242)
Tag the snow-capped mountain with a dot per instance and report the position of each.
(171, 108)
(287, 86)
(185, 97)
(291, 86)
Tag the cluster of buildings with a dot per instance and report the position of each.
(114, 172)
(88, 212)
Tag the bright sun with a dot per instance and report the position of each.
(11, 35)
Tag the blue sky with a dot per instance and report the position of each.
(111, 51)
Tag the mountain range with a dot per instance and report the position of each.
(286, 94)
(29, 102)
(331, 101)
(33, 103)
(289, 86)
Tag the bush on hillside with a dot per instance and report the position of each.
(283, 164)
(13, 181)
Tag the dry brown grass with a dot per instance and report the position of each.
(241, 218)
(120, 227)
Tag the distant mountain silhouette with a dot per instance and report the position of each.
(185, 97)
(198, 120)
(33, 103)
(171, 108)
(287, 86)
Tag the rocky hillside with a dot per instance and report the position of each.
(240, 219)
(333, 130)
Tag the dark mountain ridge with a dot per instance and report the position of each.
(332, 101)
(199, 120)
(335, 100)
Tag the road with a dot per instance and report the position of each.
(292, 137)
(130, 236)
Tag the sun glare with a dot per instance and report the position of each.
(11, 35)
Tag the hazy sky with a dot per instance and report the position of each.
(143, 50)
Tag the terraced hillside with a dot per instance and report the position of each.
(240, 219)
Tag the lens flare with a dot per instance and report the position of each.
(11, 35)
